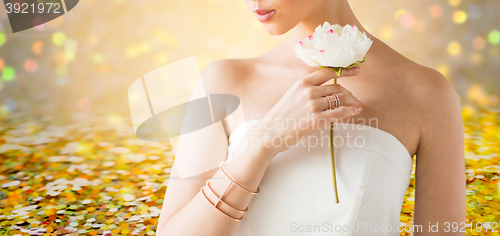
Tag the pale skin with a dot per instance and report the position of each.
(414, 103)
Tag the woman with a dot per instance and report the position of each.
(285, 188)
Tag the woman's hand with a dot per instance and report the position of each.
(304, 109)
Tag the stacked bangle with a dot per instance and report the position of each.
(234, 182)
(215, 206)
(220, 198)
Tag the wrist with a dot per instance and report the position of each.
(268, 151)
(261, 144)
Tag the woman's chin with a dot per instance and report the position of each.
(273, 30)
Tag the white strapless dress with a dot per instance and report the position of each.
(373, 170)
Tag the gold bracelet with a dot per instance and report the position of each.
(220, 198)
(233, 181)
(215, 206)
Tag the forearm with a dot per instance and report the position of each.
(199, 217)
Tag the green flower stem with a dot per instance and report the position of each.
(338, 71)
(332, 151)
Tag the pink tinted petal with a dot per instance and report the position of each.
(352, 27)
(310, 37)
(301, 43)
(330, 31)
(321, 50)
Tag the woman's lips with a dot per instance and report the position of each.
(264, 15)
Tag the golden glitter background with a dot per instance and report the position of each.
(71, 164)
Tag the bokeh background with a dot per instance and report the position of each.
(70, 162)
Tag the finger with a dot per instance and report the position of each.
(328, 89)
(345, 95)
(322, 76)
(345, 100)
(341, 112)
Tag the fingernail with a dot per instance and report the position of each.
(356, 69)
(360, 108)
(359, 103)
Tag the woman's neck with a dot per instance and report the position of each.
(334, 11)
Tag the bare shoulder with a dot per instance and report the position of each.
(430, 83)
(435, 104)
(223, 76)
(430, 91)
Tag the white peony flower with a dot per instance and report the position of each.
(334, 46)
